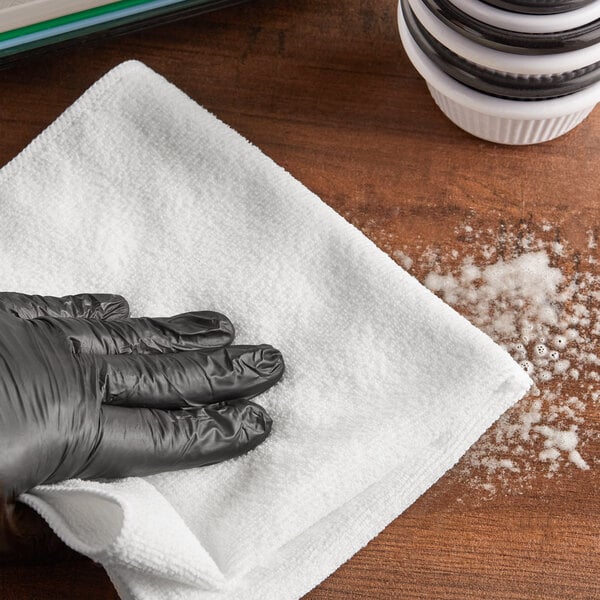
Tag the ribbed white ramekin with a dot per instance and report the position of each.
(498, 119)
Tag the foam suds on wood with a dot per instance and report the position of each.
(540, 300)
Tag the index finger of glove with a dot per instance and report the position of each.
(188, 331)
(90, 306)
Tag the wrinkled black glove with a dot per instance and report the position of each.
(87, 392)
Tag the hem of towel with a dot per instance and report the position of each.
(302, 563)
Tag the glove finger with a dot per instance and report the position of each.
(144, 441)
(188, 331)
(188, 379)
(90, 306)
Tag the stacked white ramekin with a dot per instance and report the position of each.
(508, 71)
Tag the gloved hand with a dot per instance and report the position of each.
(87, 392)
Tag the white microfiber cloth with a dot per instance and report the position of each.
(137, 190)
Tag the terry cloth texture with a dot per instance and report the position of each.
(139, 191)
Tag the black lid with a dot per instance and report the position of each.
(515, 42)
(539, 7)
(492, 82)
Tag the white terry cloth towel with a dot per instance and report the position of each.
(138, 190)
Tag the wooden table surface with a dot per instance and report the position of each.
(325, 89)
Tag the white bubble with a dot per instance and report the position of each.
(526, 366)
(561, 366)
(544, 375)
(560, 342)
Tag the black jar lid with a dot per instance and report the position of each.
(539, 7)
(497, 83)
(515, 42)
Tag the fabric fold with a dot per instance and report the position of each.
(107, 521)
(138, 190)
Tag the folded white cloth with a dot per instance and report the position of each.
(137, 190)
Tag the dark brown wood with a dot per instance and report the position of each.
(325, 89)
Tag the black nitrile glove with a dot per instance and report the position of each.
(87, 392)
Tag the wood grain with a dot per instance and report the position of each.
(325, 89)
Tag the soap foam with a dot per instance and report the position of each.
(519, 285)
